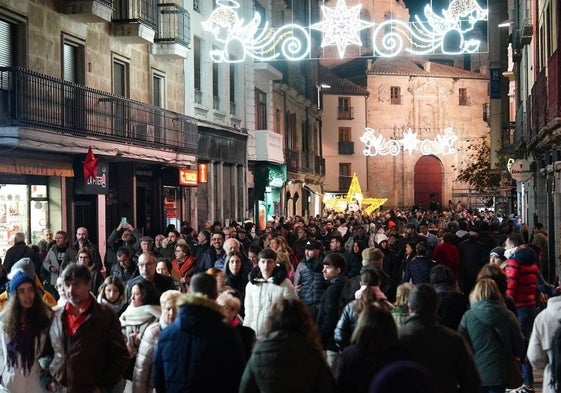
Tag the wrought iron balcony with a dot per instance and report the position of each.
(174, 25)
(293, 160)
(88, 11)
(198, 96)
(307, 162)
(33, 100)
(135, 21)
(346, 148)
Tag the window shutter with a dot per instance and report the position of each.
(7, 53)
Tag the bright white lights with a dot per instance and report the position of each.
(378, 145)
(341, 26)
(243, 40)
(449, 33)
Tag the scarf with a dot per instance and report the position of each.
(134, 316)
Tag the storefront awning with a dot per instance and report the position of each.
(36, 167)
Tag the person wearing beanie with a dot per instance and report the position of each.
(27, 266)
(24, 325)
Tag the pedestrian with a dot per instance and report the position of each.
(493, 334)
(298, 364)
(90, 354)
(192, 351)
(24, 327)
(112, 293)
(142, 375)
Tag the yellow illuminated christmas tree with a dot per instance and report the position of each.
(368, 205)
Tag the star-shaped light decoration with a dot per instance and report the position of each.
(368, 205)
(341, 26)
(410, 141)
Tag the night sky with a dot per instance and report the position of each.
(416, 6)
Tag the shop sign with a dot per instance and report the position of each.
(188, 177)
(95, 179)
(203, 173)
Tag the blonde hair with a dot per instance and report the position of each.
(485, 289)
(226, 299)
(170, 295)
(402, 294)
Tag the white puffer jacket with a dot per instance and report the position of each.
(260, 295)
(539, 348)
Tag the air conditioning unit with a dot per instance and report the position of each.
(145, 132)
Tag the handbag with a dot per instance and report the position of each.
(514, 367)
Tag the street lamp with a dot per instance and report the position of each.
(319, 88)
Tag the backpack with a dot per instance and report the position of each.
(555, 381)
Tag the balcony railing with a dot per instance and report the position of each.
(293, 160)
(33, 100)
(216, 102)
(554, 86)
(521, 127)
(347, 113)
(136, 11)
(346, 148)
(232, 108)
(197, 6)
(174, 24)
(306, 162)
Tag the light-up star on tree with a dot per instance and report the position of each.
(341, 26)
(410, 141)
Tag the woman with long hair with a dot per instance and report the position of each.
(374, 344)
(290, 357)
(85, 257)
(143, 310)
(285, 255)
(493, 334)
(236, 275)
(24, 326)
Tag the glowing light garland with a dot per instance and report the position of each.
(242, 39)
(341, 26)
(378, 145)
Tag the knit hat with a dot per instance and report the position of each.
(19, 278)
(25, 265)
(498, 252)
(313, 245)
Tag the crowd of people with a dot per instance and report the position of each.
(438, 302)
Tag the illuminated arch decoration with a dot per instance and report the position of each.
(354, 195)
(430, 36)
(377, 144)
(341, 26)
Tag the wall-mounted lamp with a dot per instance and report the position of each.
(319, 88)
(506, 23)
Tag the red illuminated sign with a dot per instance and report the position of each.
(188, 177)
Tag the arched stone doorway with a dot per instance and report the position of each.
(428, 182)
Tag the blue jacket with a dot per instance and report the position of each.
(194, 347)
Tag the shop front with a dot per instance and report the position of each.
(31, 196)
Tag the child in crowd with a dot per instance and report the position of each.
(112, 293)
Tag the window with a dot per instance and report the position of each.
(120, 108)
(395, 95)
(344, 134)
(463, 96)
(215, 96)
(260, 110)
(197, 68)
(7, 44)
(232, 89)
(73, 70)
(344, 109)
(120, 77)
(158, 89)
(344, 176)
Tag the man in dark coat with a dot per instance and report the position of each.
(441, 350)
(334, 266)
(190, 349)
(148, 275)
(20, 250)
